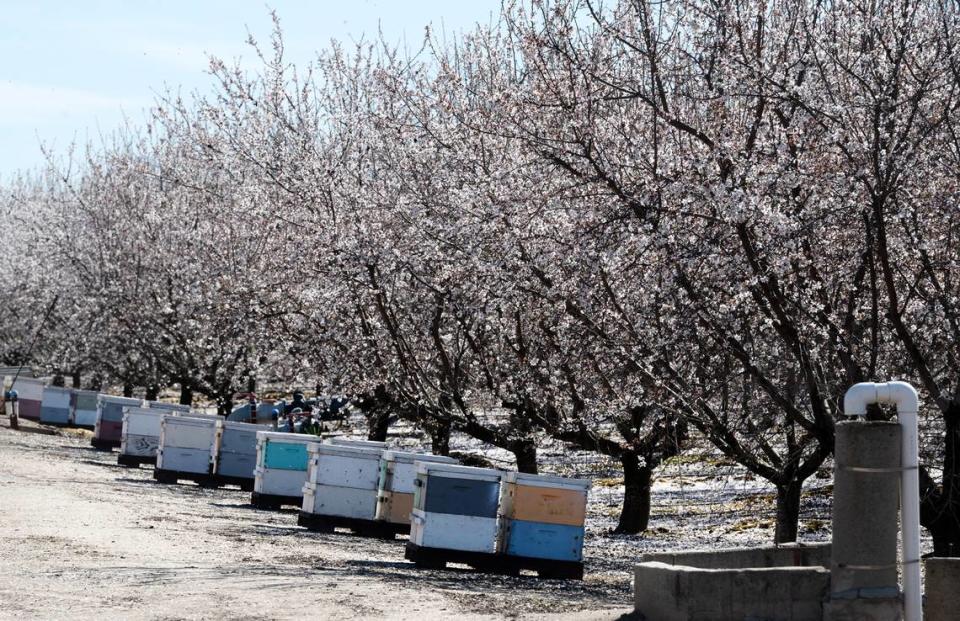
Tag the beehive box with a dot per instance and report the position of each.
(235, 451)
(108, 428)
(185, 443)
(543, 516)
(342, 480)
(55, 407)
(281, 463)
(396, 483)
(455, 507)
(83, 408)
(346, 441)
(169, 407)
(140, 436)
(344, 465)
(29, 397)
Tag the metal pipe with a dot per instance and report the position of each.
(904, 397)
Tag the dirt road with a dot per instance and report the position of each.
(82, 538)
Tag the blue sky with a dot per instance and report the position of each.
(70, 70)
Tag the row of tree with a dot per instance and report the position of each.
(621, 223)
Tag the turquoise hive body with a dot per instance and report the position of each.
(550, 541)
(283, 456)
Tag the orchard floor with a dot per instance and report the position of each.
(83, 538)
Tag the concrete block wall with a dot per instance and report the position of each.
(664, 592)
(941, 589)
(785, 555)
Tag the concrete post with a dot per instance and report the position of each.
(866, 500)
(941, 589)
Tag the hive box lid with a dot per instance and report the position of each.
(85, 393)
(56, 389)
(120, 400)
(176, 407)
(356, 452)
(289, 438)
(139, 411)
(408, 457)
(546, 480)
(342, 441)
(232, 424)
(172, 418)
(459, 472)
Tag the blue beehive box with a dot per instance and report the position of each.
(463, 497)
(284, 456)
(539, 540)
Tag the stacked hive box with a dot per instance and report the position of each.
(341, 488)
(168, 407)
(346, 441)
(55, 407)
(140, 435)
(541, 519)
(108, 430)
(396, 485)
(235, 453)
(29, 396)
(185, 448)
(281, 469)
(83, 408)
(454, 515)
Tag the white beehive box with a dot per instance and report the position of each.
(399, 469)
(346, 441)
(141, 431)
(344, 465)
(395, 485)
(333, 500)
(185, 443)
(83, 408)
(453, 532)
(277, 482)
(455, 507)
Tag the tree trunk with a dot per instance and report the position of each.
(186, 393)
(940, 507)
(788, 511)
(152, 393)
(127, 390)
(251, 383)
(440, 437)
(378, 422)
(75, 379)
(58, 380)
(526, 453)
(635, 514)
(96, 383)
(224, 402)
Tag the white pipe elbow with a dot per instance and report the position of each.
(900, 394)
(858, 397)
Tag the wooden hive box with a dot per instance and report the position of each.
(235, 451)
(455, 507)
(543, 516)
(109, 425)
(55, 407)
(342, 480)
(140, 435)
(396, 483)
(83, 408)
(281, 466)
(29, 397)
(185, 443)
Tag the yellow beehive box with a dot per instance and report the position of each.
(544, 499)
(395, 507)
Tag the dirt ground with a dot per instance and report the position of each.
(84, 538)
